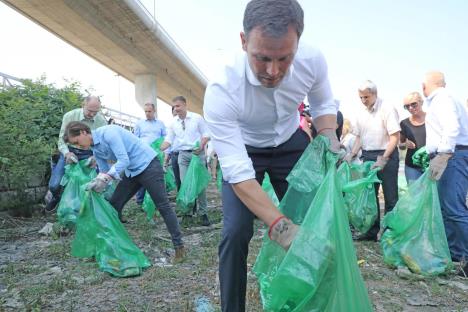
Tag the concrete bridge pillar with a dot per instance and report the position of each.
(145, 89)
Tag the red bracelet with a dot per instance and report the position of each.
(274, 223)
(321, 130)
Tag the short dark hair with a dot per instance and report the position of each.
(74, 128)
(179, 98)
(274, 17)
(151, 104)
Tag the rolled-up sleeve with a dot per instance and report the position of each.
(447, 114)
(221, 116)
(117, 146)
(170, 134)
(320, 97)
(392, 121)
(203, 128)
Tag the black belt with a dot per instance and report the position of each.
(461, 147)
(373, 151)
(188, 151)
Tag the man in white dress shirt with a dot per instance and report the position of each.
(188, 128)
(252, 112)
(447, 145)
(377, 133)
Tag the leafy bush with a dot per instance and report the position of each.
(30, 119)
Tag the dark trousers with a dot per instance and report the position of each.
(238, 219)
(389, 178)
(175, 168)
(152, 179)
(453, 191)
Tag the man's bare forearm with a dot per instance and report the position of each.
(257, 201)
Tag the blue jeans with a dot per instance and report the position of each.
(58, 170)
(453, 189)
(238, 219)
(412, 174)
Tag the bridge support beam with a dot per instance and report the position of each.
(145, 89)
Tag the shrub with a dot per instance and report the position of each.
(30, 120)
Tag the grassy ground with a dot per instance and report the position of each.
(37, 273)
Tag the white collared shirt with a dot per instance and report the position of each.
(446, 122)
(375, 126)
(186, 132)
(240, 111)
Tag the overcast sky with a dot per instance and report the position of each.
(392, 43)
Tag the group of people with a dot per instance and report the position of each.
(128, 158)
(251, 117)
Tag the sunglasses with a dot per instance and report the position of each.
(412, 105)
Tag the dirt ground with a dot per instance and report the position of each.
(37, 273)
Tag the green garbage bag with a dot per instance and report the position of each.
(101, 235)
(75, 176)
(421, 158)
(402, 186)
(304, 181)
(319, 272)
(219, 178)
(149, 207)
(156, 146)
(415, 235)
(169, 179)
(195, 181)
(268, 188)
(359, 196)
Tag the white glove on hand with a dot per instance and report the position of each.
(99, 183)
(438, 164)
(349, 158)
(71, 158)
(91, 162)
(380, 162)
(335, 146)
(283, 231)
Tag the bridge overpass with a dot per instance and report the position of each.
(125, 37)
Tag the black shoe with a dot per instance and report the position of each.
(205, 221)
(463, 271)
(366, 237)
(51, 206)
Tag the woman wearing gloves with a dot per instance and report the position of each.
(136, 166)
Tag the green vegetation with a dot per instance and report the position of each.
(30, 119)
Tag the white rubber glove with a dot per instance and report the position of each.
(99, 183)
(71, 158)
(380, 162)
(438, 164)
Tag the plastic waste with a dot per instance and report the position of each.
(421, 158)
(76, 175)
(195, 181)
(360, 200)
(415, 235)
(101, 235)
(319, 272)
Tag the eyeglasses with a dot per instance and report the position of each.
(412, 105)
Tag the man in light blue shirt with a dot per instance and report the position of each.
(148, 130)
(136, 165)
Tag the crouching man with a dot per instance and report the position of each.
(136, 166)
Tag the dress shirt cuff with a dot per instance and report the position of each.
(446, 147)
(237, 168)
(113, 173)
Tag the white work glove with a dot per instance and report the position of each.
(335, 145)
(438, 164)
(197, 151)
(349, 158)
(410, 144)
(71, 158)
(380, 162)
(91, 162)
(283, 232)
(99, 183)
